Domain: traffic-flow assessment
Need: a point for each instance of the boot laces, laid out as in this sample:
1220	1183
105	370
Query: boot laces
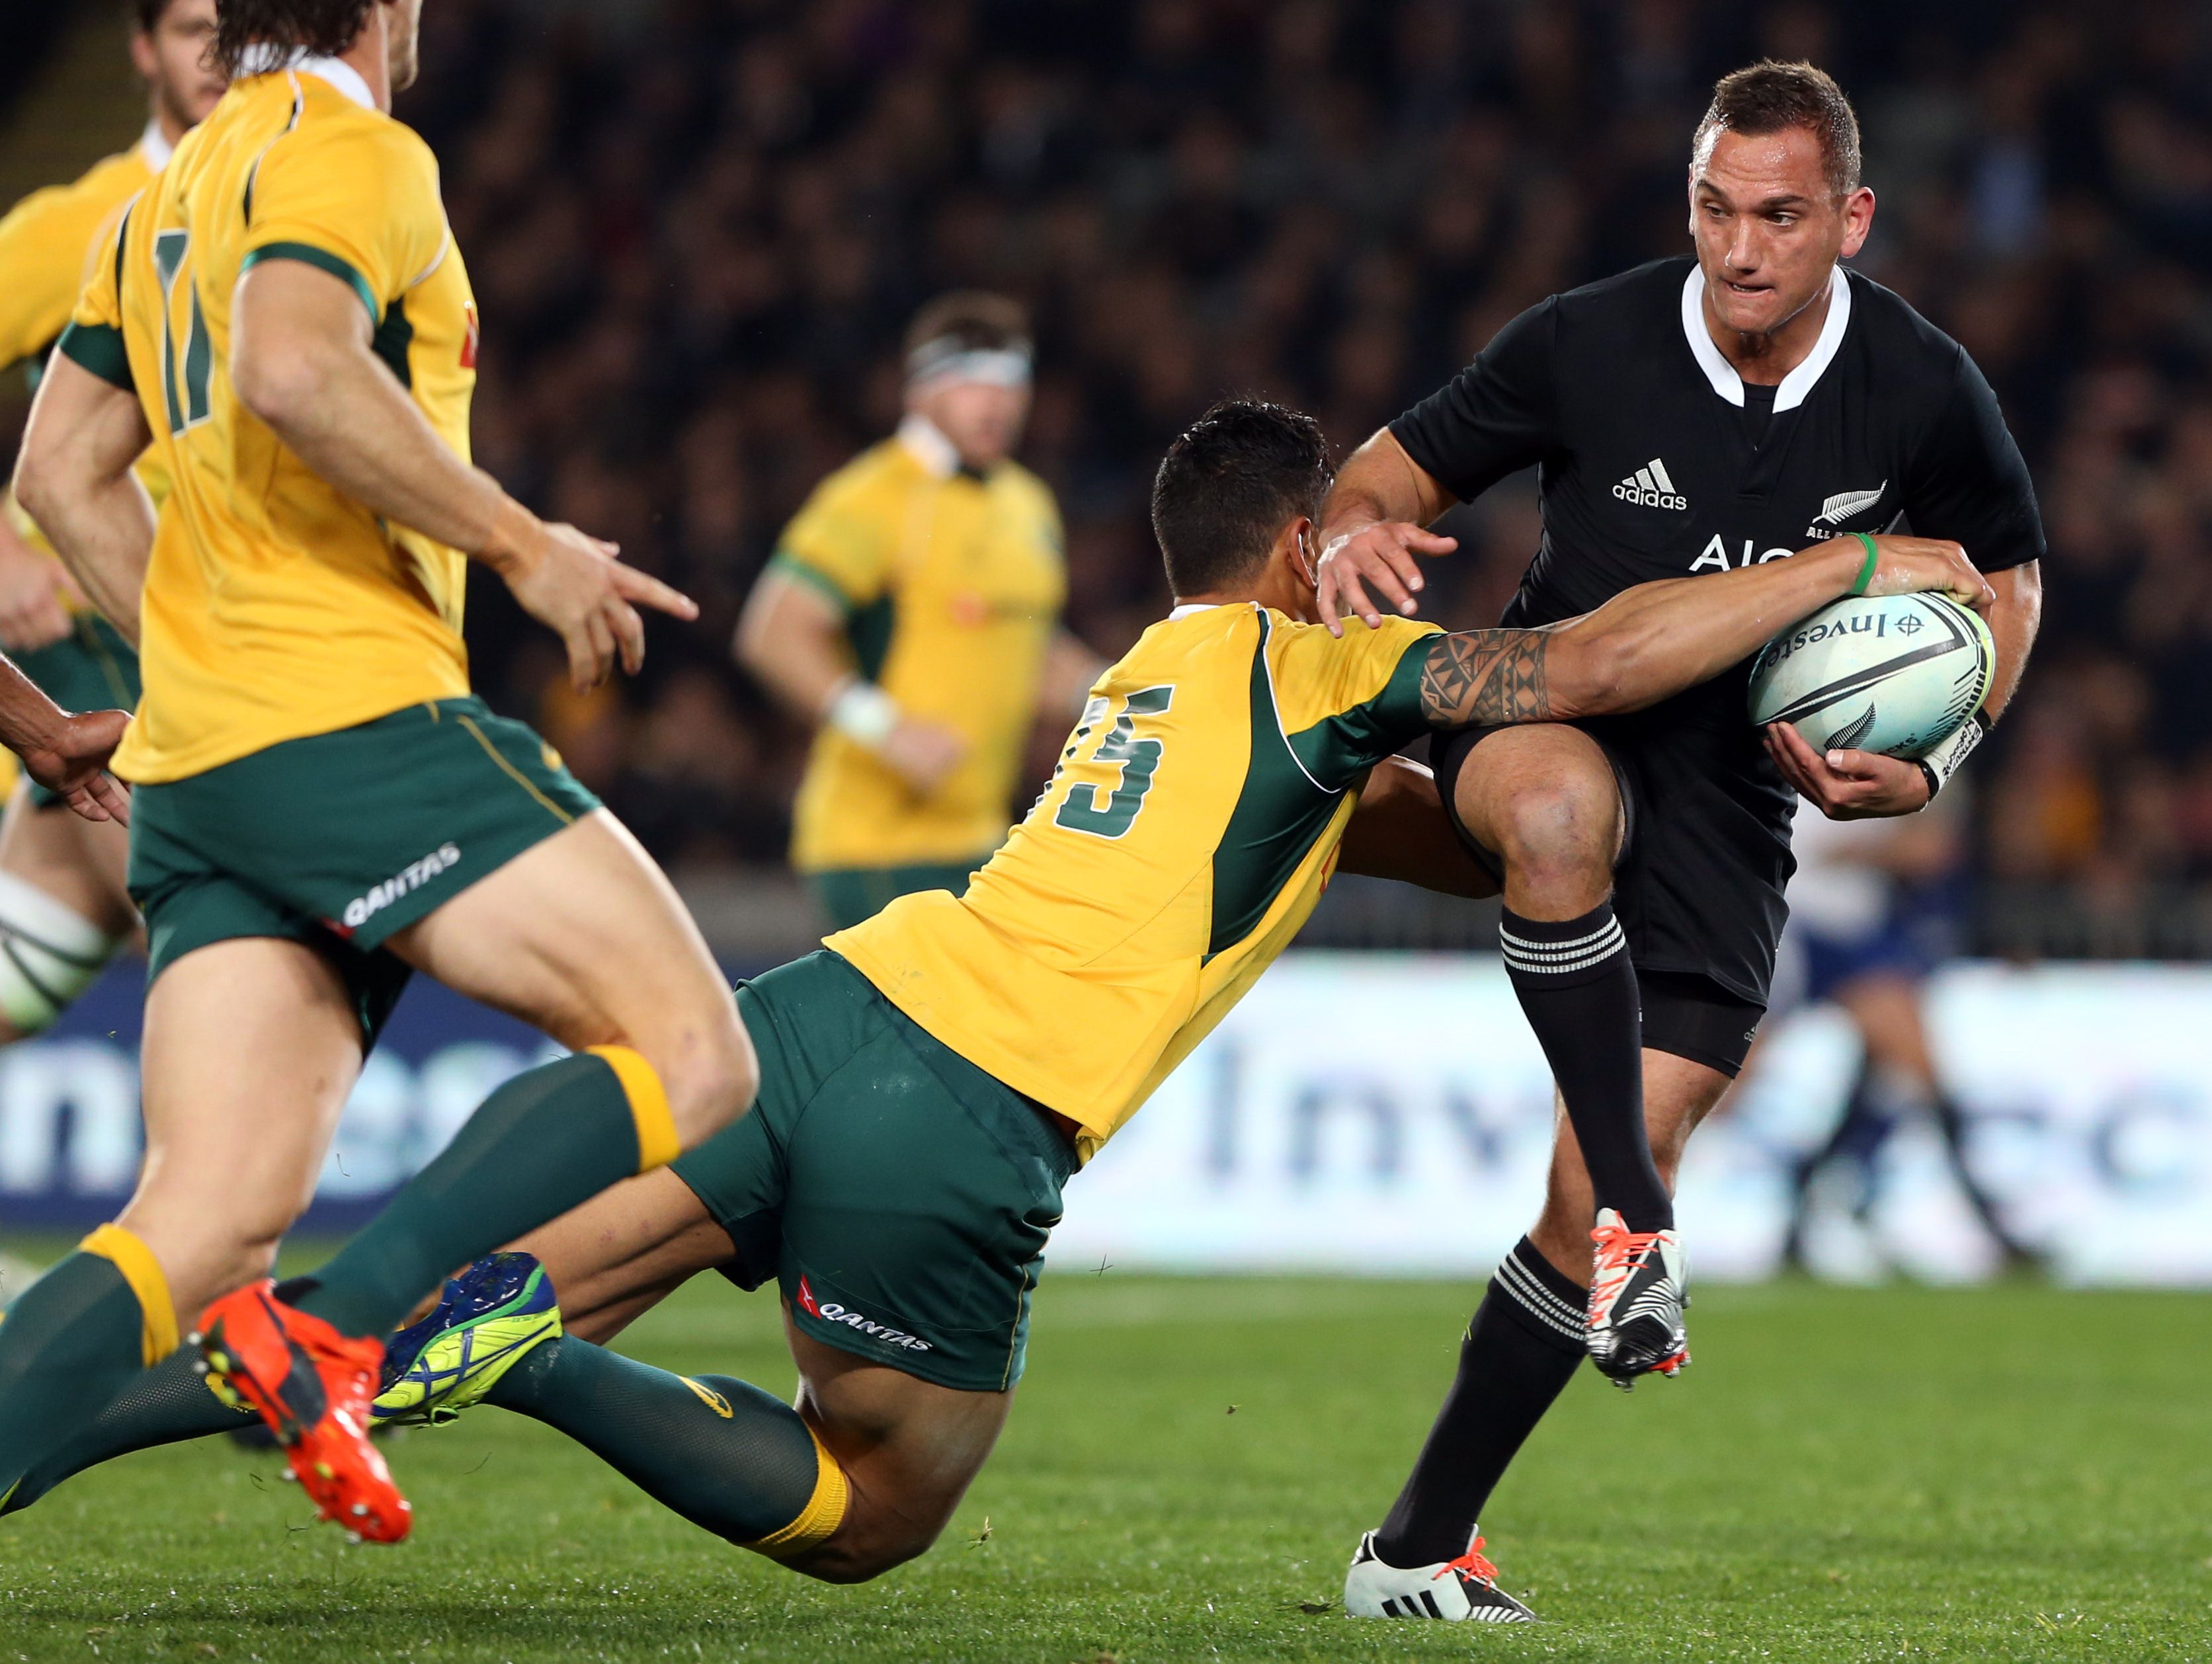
1472	1563
1620	1252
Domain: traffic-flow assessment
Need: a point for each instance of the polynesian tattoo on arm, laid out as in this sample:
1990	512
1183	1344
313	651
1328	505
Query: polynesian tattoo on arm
1486	675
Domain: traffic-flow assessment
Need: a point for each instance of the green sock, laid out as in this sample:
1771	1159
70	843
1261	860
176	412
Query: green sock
160	1405
547	1140
74	1337
724	1454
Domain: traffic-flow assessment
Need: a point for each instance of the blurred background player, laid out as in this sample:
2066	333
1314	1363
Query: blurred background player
1875	908
912	611
64	909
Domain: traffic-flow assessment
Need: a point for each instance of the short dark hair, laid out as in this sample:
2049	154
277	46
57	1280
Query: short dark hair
1769	97
144	16
325	27
1228	485
973	320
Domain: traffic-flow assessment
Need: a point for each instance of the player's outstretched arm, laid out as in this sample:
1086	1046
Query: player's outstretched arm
1372	528
301	361
67	754
73	476
1650	642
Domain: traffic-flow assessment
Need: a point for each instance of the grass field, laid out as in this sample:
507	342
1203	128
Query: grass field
2016	1473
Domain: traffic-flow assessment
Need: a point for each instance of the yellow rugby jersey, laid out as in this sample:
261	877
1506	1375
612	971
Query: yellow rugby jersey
48	242
951	587
275	607
1186	836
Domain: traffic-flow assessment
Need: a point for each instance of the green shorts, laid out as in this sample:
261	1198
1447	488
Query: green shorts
93	669
851	895
339	840
901	1196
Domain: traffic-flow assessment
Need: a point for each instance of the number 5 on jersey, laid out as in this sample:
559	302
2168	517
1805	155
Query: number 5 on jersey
1082	812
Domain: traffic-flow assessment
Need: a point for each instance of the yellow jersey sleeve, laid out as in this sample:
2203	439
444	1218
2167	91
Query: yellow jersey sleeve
94	338
41	243
840	542
361	203
1345	702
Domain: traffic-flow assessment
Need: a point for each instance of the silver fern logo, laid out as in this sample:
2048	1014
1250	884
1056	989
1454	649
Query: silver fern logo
1842	507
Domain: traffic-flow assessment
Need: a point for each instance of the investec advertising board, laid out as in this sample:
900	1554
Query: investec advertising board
1382	1114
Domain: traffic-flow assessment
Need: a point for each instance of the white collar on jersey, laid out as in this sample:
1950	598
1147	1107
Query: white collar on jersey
154	145
1189	607
1795	384
266	58
926	443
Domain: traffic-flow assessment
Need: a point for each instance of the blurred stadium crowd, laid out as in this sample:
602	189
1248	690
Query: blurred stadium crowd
697	228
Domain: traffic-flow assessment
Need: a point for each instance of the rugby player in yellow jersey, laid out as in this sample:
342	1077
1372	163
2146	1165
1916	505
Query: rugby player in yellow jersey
63	906
912	611
320	804
933	1077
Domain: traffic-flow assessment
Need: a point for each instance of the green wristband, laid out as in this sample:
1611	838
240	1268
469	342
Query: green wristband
1872	560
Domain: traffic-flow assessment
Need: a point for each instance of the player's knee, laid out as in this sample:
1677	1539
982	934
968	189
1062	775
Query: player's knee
201	1262
1562	824
866	1549
708	1070
49	954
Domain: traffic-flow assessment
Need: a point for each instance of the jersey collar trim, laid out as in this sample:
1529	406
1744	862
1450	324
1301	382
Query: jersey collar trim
268	58
154	147
1795	384
1189	608
927	444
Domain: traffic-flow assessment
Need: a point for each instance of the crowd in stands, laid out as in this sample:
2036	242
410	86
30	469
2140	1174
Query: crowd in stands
697	228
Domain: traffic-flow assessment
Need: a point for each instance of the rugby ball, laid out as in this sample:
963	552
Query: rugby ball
1895	674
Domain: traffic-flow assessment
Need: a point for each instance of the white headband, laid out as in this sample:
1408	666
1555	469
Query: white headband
946	360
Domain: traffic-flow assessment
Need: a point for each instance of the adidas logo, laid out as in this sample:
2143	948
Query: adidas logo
1650	488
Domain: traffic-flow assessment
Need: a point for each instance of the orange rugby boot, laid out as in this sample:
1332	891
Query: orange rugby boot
311	1386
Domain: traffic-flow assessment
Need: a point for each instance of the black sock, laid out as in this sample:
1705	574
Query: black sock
1578	992
1520	1353
724	1454
160	1405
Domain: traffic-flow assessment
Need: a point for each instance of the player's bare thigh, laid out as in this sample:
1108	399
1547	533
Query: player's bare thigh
1678	1094
1884	1006
908	1447
250	1047
584	938
630	1247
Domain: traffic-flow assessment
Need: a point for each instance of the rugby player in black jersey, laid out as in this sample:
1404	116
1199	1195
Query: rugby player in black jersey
1694	414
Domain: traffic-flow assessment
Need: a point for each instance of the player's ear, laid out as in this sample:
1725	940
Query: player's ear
1295	544
1858	221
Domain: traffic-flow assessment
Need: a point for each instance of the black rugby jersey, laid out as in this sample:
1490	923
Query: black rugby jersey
1648	470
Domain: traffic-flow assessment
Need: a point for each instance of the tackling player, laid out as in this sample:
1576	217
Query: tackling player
322	807
1692	417
63	906
930	1080
911	612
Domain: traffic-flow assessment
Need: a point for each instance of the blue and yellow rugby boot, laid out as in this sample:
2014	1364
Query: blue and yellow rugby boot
487	1318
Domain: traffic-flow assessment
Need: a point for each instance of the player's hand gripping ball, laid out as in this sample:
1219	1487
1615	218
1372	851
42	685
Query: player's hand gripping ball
1892	674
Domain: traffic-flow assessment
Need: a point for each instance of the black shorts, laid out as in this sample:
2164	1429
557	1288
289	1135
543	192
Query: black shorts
1697	968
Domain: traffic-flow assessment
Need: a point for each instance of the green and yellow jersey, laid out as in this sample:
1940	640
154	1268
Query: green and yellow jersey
951	587
47	244
1187	834
275	607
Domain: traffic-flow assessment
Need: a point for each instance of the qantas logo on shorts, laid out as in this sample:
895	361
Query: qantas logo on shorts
1649	486
829	1311
359	910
